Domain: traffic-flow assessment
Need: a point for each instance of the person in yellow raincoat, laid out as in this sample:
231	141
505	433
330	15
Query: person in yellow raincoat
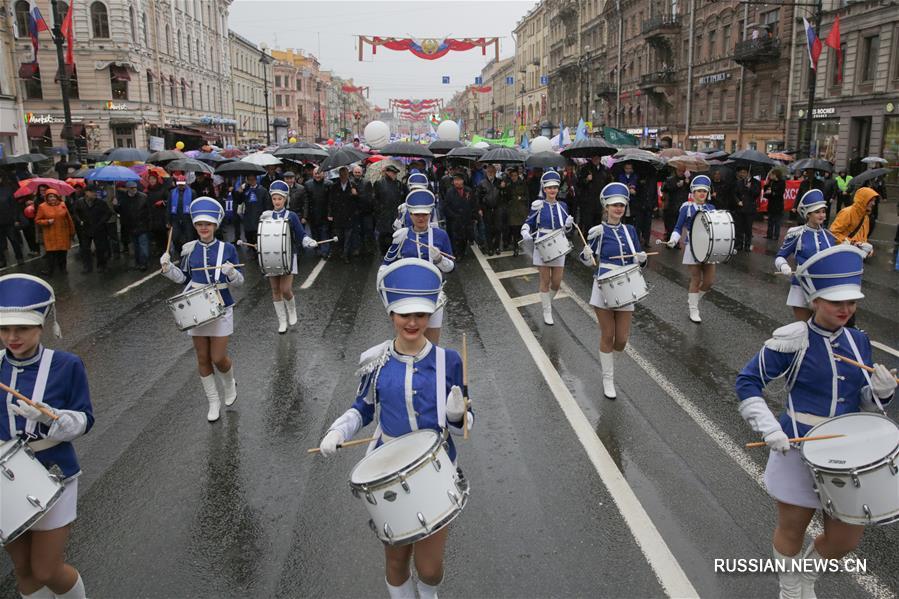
854	221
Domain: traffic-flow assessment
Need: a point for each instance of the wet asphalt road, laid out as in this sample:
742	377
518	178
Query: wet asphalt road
171	506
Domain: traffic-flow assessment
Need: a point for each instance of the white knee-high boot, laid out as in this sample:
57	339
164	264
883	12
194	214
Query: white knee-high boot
426	591
404	591
212	394
76	592
808	579
291	306
789	580
281	313
546	298
607	361
229	385
693	303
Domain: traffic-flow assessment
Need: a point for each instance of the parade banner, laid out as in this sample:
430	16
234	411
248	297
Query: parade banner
617	137
353	89
790	193
508	142
429	48
480	89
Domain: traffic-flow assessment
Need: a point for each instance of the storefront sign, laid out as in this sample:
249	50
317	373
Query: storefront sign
820	113
710	137
643	131
42	119
156	144
110	105
716	78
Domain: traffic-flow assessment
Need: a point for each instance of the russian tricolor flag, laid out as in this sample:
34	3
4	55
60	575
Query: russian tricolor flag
814	44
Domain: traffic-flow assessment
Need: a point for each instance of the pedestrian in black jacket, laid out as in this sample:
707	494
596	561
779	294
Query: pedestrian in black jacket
774	192
591	179
134	210
747	192
487	193
91	214
318	212
460	215
256	200
387	195
156	197
344	210
365	213
675	191
9	219
297	200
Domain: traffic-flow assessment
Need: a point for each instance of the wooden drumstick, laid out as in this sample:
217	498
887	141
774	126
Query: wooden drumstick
347	444
332	240
465	385
584	239
242	242
214	267
450	256
633	255
168	244
854	363
21	397
798	440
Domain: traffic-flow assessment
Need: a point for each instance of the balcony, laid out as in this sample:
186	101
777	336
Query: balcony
651	81
755	53
606	89
661	30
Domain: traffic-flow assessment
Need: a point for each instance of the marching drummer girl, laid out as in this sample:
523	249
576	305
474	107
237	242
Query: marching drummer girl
702	275
803	242
282	285
425	241
416	180
204	262
57	382
615	245
419	387
818	387
547	215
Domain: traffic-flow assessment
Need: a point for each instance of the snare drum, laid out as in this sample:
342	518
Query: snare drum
409	487
27	490
856	476
622	286
197	306
553	245
274	247
712	236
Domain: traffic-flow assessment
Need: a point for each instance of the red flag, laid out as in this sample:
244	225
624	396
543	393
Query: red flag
69	34
833	40
40	23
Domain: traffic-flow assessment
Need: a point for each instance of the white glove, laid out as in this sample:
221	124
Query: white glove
866	248
165	261
309	243
526	234
785	268
228	269
434	254
587	255
569	222
778	441
266	214
883	382
455	404
29	413
641	257
400	235
671	242
329	444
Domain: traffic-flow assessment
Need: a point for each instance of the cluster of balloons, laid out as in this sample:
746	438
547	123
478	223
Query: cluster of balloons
377	134
540	143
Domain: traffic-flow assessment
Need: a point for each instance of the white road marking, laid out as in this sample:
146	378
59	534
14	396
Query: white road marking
533	298
314	274
137	283
500	255
26	261
885	348
669	573
870	582
518	272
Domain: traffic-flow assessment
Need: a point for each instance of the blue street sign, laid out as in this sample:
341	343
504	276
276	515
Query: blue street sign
544	80
510	80
479	80
445	79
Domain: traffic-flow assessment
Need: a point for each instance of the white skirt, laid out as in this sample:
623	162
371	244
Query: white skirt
797	298
293	268
538	261
220	327
63	512
789	480
688	253
596	300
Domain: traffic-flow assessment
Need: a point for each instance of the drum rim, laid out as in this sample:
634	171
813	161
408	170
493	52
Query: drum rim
703	218
192	291
286	253
617	272
20	445
893	453
443	522
410	468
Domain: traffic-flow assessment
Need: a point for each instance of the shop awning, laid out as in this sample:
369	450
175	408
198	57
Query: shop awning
77	131
27	70
38	131
119	73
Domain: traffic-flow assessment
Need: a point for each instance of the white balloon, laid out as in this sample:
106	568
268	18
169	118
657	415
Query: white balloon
482	145
376	134
448	131
540	143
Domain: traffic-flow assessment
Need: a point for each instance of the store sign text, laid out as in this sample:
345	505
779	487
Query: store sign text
716	78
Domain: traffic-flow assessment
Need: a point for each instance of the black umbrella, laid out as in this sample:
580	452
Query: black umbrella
95	157
210	157
30	157
816	164
300	154
466	153
869	175
503	156
165	156
443	146
753	158
189	165
546	160
638	156
127	155
587	148
301	145
81	173
343	157
716	155
406	148
239	169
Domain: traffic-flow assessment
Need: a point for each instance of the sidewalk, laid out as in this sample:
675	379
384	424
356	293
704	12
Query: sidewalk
887	221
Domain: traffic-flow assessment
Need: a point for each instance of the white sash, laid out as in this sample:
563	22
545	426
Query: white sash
440	389
37	395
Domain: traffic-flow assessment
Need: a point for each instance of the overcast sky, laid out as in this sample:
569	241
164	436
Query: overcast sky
329	28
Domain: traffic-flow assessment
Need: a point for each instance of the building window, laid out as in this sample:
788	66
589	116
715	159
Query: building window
118	80
278	100
299	85
713	46
725	41
30	74
172	91
870	50
23	9
133	22
189	50
72	74
146	31
277	80
168	40
178	42
200	91
184	93
99	20
151	93
834	67
123	136
770	20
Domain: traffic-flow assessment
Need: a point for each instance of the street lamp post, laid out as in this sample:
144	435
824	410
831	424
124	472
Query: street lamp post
318	106
58	39
266	60
805	144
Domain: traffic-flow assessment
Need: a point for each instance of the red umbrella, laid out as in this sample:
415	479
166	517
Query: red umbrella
375	158
29	186
231	153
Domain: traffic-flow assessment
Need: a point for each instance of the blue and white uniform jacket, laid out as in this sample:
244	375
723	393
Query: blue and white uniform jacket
818	386
59	380
607	240
297	231
546	217
407	249
196	254
685	216
802	243
411	392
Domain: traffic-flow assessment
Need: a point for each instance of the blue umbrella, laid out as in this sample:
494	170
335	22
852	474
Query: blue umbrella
112	173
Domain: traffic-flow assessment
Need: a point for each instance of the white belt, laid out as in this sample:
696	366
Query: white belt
42	444
542	230
807	419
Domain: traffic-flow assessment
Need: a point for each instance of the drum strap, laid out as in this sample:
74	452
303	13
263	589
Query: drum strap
218	262
440	389
858	358
630	242
37	394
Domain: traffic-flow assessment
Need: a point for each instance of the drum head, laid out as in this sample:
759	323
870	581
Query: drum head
869	439
393	456
615	272
700	240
